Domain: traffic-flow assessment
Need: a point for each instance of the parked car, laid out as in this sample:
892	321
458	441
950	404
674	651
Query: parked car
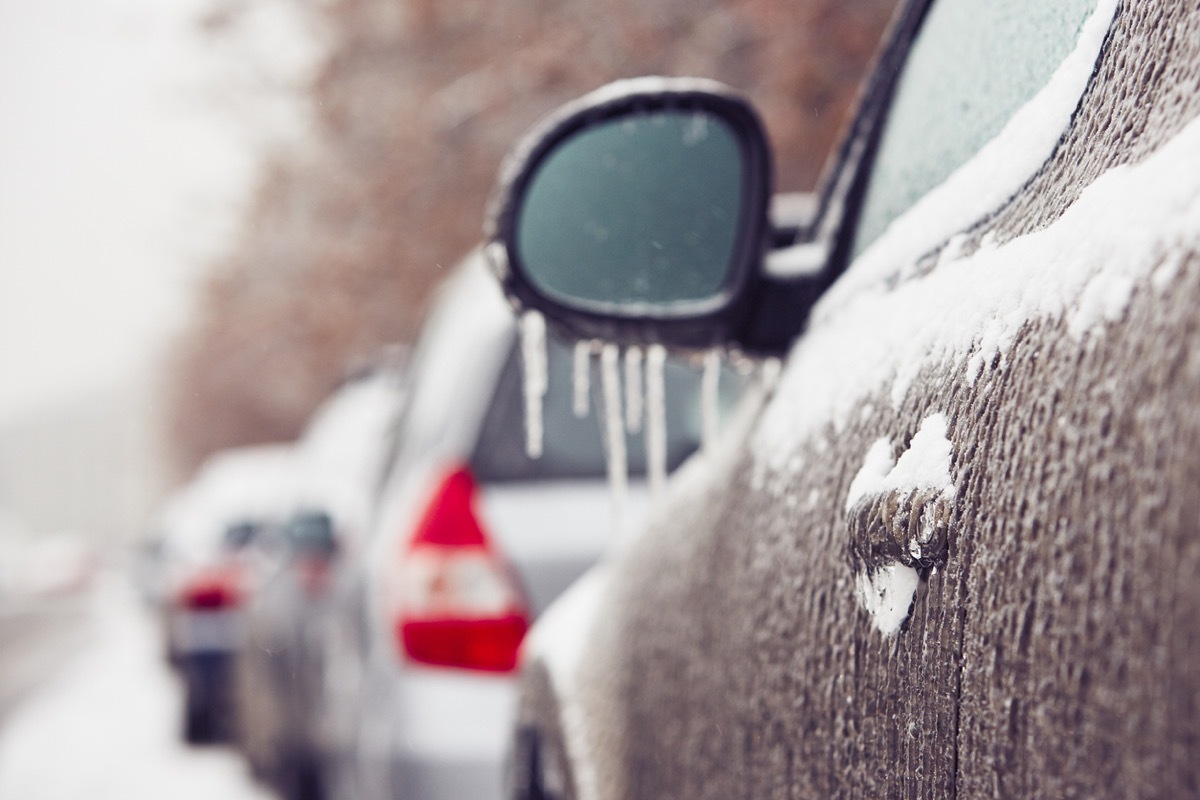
207	527
951	551
279	677
473	538
276	682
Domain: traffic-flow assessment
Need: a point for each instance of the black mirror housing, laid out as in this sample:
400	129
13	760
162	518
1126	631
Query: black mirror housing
637	214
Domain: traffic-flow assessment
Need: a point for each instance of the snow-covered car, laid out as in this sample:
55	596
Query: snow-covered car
337	460
207	527
473	538
950	549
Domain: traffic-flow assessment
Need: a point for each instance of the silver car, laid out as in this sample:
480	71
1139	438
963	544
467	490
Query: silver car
473	539
207	527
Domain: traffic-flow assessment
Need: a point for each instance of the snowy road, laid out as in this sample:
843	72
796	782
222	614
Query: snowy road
35	640
105	724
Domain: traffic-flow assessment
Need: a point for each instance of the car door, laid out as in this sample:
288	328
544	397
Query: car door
952	553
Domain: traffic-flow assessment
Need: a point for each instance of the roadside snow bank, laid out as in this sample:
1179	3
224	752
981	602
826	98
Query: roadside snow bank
107	727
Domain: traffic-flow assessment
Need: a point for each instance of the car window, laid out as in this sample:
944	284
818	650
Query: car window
461	345
973	65
573	447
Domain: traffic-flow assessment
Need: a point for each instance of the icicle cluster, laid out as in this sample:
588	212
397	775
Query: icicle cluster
632	403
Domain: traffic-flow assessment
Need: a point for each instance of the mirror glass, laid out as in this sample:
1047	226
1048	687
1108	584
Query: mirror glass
639	212
311	533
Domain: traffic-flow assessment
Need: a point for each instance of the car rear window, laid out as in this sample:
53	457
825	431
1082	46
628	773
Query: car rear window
574	446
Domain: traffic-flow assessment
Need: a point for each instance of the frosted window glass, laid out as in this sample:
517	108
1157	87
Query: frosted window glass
973	65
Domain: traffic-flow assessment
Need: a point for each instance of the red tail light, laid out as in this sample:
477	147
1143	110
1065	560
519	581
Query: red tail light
211	589
456	602
314	575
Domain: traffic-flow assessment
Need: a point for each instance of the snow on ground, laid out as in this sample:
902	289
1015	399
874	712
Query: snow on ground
107	725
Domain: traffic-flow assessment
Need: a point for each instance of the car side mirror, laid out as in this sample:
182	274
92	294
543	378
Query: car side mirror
311	534
638	214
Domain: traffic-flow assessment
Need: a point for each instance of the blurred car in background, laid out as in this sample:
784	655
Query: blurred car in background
277	670
337	462
952	551
206	530
473	539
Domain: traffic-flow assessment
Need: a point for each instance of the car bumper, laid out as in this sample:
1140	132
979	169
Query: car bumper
458	778
195	632
451	734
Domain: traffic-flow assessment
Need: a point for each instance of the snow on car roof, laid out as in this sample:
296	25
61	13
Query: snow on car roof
246	482
340	454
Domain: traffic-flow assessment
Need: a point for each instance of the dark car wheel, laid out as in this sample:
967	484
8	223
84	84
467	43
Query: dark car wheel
539	768
300	778
206	706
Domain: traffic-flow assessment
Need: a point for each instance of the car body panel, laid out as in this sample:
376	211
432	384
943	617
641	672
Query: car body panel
550	558
1052	641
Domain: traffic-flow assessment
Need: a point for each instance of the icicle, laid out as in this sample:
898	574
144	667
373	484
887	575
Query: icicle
533	356
614	429
582	378
709	398
771	369
633	390
656	420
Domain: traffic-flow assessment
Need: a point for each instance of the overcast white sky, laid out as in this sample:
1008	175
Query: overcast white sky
125	150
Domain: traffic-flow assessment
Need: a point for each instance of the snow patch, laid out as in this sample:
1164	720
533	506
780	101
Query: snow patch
1164	276
1083	269
797	261
887	595
925	465
877	464
106	725
988	179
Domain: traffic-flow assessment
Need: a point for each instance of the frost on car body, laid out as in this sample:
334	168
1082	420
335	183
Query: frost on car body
1037	311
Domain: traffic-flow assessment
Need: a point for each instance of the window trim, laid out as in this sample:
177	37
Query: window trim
783	304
